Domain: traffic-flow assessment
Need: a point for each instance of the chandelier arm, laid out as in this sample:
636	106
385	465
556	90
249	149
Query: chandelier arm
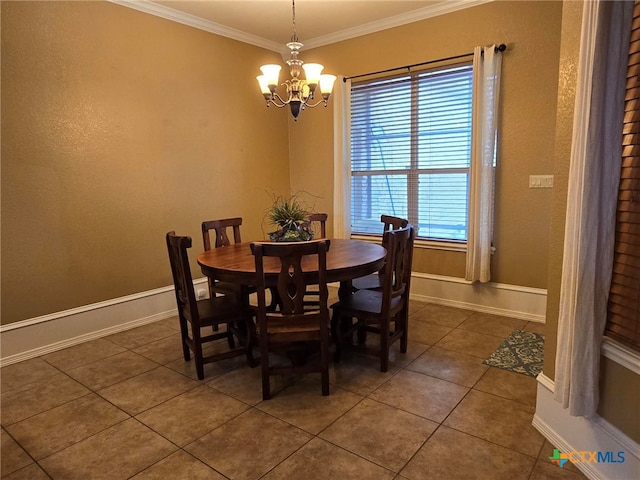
274	97
273	102
313	105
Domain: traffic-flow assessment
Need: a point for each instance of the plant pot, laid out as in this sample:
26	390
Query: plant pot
291	235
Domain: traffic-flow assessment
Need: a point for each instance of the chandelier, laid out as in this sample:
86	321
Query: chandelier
299	93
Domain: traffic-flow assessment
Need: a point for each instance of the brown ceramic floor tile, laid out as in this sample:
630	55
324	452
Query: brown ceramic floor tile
13	456
163	351
450	455
511	385
415	306
61	427
32	472
173	323
426	333
548	471
249	445
147	390
245	384
191	415
396	358
39	397
492	324
182	464
441	315
414	350
46	411
23	373
498	420
211	370
304	406
118	452
421	395
139	336
321	460
470	343
358	373
111	370
82	354
448	365
390	440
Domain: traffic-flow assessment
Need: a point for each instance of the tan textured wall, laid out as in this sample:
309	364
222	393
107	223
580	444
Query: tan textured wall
619	394
529	94
118	126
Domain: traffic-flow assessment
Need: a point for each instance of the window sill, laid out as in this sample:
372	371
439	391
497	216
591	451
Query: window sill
621	354
426	244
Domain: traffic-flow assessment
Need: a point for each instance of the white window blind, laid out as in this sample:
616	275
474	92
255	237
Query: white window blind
411	150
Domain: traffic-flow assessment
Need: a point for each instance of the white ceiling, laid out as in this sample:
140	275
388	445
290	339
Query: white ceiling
268	23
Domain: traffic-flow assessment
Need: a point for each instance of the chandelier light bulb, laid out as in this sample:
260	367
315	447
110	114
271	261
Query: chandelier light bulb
326	84
271	73
312	71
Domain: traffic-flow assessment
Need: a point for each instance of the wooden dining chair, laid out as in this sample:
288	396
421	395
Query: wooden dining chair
318	224
384	312
374	281
293	324
210	312
221	230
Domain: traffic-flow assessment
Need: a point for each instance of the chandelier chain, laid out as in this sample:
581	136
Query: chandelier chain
294	38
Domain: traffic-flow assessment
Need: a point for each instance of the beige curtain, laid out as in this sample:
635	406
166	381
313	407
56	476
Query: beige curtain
342	158
486	93
591	203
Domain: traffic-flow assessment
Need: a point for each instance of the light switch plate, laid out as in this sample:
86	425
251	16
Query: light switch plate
540	181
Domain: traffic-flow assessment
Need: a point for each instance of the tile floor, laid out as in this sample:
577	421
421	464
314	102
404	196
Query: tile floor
128	406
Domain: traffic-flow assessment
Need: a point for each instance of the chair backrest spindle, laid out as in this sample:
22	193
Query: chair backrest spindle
220	230
318	224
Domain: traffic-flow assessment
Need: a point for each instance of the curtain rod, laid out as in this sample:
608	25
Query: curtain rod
499	48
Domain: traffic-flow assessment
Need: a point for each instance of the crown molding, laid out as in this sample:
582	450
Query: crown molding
168	13
197	22
443	8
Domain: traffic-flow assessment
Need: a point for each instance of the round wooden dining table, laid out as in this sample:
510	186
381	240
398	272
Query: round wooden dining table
346	260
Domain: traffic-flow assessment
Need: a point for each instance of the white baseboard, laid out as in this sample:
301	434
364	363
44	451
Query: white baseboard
48	333
41	335
581	434
514	301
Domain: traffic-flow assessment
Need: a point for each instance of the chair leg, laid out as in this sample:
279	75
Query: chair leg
184	333
266	387
250	341
264	363
335	333
197	353
212	294
362	336
384	345
324	361
230	340
404	339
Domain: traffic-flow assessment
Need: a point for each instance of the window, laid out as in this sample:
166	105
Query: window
411	151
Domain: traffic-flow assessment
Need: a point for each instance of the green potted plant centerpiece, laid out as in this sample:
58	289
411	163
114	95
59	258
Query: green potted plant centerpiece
291	217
